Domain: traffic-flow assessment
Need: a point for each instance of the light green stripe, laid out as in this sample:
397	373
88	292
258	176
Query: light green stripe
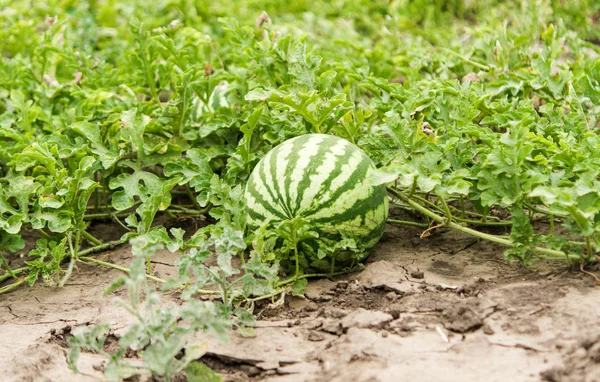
306	155
318	182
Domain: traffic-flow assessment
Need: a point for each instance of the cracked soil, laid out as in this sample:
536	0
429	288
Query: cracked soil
443	308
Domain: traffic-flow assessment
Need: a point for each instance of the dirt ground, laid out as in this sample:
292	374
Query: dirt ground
444	308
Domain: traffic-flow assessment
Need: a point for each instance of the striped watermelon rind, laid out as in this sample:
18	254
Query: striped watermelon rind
216	100
325	180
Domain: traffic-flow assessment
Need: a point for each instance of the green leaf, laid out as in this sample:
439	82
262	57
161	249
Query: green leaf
199	372
113	286
140	185
11	242
298	287
158	200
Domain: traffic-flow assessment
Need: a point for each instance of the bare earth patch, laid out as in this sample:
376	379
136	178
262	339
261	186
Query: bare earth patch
444	308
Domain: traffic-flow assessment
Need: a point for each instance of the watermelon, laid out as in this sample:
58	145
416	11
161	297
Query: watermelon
325	180
216	100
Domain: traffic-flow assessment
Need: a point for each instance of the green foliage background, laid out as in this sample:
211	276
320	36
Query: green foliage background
120	103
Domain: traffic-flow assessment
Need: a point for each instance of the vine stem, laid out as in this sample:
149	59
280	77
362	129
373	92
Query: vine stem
407	222
102	247
472	232
183	210
494	223
488	223
85	259
312	275
99	216
16	272
281	285
12	286
117	267
475	214
266	296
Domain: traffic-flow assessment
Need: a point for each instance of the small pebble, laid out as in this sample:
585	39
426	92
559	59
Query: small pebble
315	337
417	274
342	284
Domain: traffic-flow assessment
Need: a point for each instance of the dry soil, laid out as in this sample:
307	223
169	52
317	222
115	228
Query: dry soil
444	308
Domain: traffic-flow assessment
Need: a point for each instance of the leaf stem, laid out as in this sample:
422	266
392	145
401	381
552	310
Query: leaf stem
466	59
190	195
427	202
588	244
89	237
5	263
446	210
44	234
71	262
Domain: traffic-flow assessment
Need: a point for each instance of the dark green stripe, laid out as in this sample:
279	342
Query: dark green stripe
275	153
262	175
256	216
360	208
376	233
332	232
356	177
350	182
263	178
251	189
317	160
